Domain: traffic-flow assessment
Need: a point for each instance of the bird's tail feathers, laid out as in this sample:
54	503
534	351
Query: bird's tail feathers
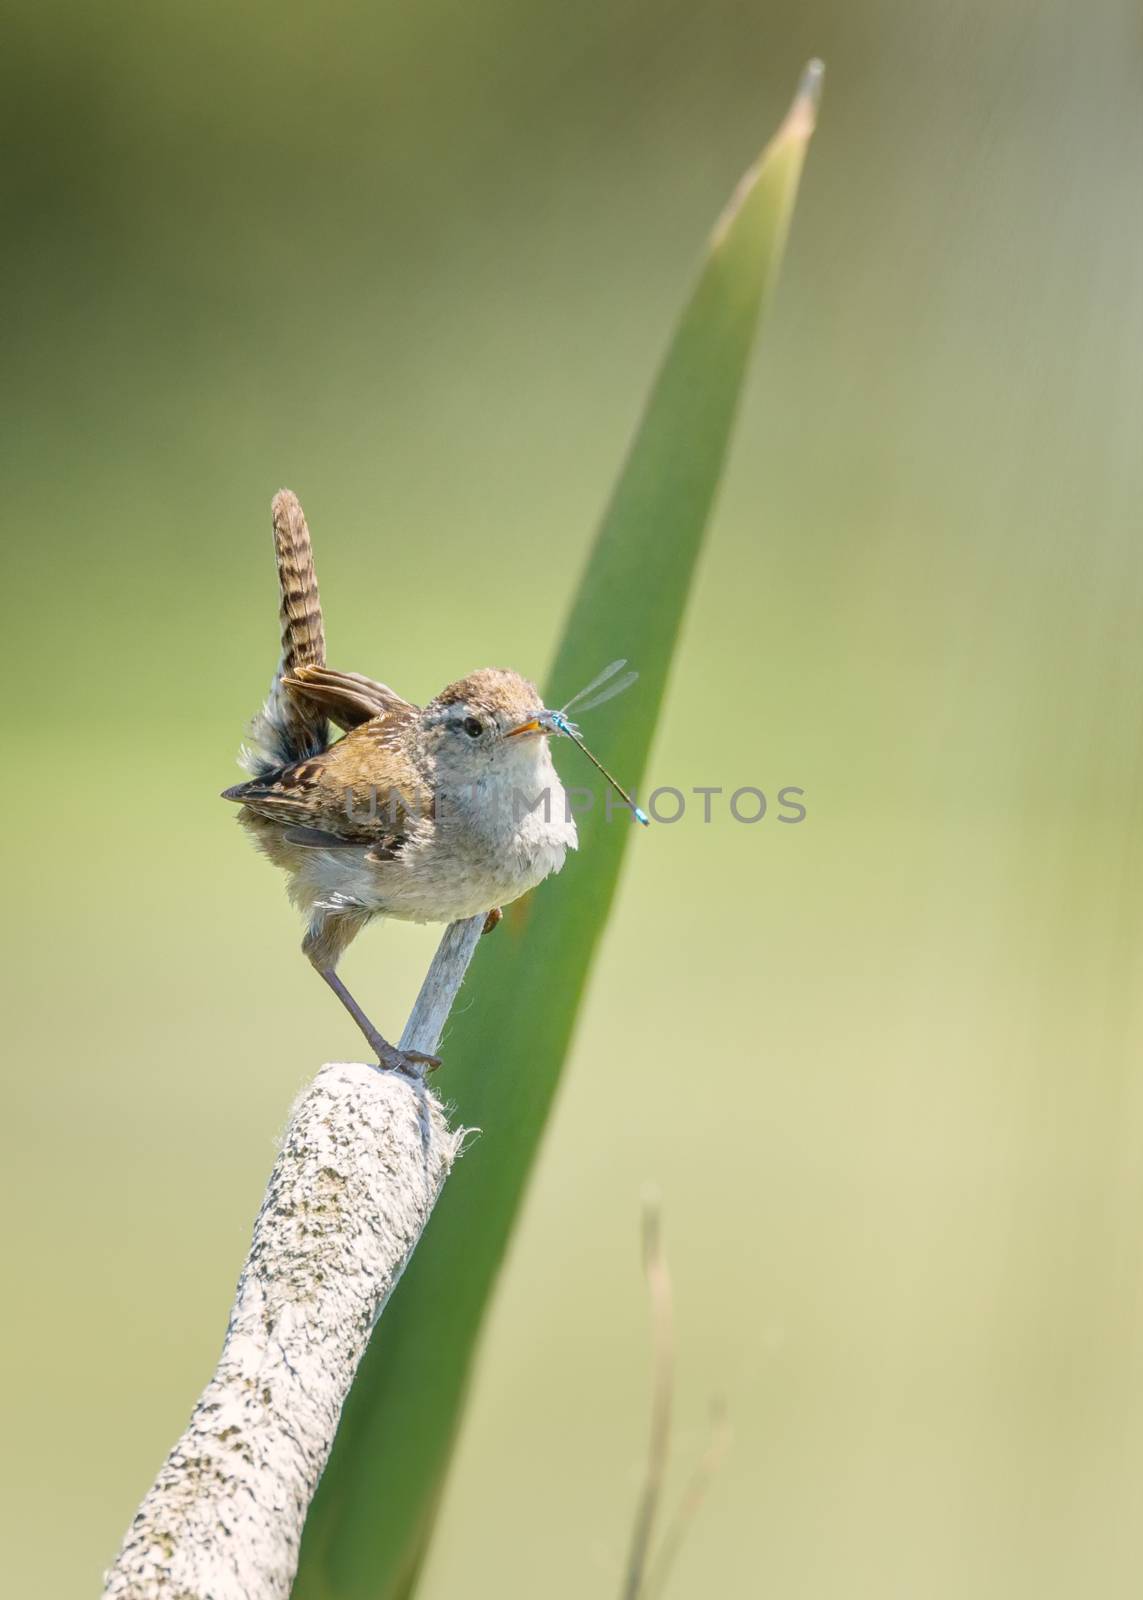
290	728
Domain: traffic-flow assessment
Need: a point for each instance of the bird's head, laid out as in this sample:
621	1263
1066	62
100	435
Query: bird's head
490	724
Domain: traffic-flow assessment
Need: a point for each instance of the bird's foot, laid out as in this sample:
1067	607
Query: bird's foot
413	1063
492	920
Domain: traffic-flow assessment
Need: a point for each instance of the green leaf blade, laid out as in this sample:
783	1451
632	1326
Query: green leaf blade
369	1526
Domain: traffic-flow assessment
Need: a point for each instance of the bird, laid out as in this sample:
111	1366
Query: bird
420	814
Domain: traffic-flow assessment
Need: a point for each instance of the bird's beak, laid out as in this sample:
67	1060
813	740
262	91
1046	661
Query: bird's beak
534	726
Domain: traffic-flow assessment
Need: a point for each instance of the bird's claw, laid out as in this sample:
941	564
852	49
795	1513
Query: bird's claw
413	1063
419	1058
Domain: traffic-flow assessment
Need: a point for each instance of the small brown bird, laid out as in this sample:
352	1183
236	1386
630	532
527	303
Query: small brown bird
425	815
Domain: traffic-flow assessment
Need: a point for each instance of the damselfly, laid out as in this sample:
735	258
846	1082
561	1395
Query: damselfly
602	687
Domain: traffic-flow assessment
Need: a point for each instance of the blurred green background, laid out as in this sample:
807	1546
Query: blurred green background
419	263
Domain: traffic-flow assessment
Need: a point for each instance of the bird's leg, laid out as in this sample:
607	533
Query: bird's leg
492	920
327	938
388	1055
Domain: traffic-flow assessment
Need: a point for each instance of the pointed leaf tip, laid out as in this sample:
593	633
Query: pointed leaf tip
803	113
810	87
796	127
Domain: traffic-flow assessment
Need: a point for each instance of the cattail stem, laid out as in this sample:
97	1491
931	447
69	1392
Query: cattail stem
363	1160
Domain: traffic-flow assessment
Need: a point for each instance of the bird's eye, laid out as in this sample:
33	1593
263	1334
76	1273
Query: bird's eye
473	727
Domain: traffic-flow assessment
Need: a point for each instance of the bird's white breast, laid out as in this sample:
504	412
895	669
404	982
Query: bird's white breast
490	843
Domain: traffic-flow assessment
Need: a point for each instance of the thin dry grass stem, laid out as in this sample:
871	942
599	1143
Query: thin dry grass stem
663	1337
695	1493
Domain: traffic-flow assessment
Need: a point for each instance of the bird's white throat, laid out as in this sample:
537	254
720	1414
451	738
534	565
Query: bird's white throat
513	802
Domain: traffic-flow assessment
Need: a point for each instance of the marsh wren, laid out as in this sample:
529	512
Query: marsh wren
425	815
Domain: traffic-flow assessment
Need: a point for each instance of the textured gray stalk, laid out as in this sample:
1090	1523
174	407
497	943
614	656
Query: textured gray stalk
362	1162
433	1004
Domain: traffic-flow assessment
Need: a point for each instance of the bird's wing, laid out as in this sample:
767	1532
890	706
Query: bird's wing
347	698
362	790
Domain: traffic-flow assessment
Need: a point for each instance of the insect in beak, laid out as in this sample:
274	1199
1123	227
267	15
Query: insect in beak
559	722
